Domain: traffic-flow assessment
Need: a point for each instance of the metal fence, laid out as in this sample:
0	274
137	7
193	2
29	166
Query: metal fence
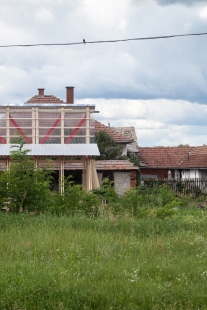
184	186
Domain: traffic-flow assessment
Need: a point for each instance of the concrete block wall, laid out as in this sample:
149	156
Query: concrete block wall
122	182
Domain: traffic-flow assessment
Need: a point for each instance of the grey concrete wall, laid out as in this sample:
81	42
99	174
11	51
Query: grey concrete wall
122	182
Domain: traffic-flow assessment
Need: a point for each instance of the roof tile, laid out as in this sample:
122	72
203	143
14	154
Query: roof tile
45	99
163	157
197	158
115	135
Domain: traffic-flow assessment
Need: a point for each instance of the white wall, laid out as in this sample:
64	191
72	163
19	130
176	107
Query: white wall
194	174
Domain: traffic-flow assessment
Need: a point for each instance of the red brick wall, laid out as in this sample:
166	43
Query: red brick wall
133	179
70	94
161	173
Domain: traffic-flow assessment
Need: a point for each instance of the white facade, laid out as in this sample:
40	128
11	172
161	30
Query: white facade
191	174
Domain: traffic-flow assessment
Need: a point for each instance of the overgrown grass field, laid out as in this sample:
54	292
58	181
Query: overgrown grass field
74	262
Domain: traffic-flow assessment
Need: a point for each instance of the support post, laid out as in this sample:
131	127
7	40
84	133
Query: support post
95	180
61	178
89	184
35	162
8	163
7	126
87	139
33	125
37	125
62	124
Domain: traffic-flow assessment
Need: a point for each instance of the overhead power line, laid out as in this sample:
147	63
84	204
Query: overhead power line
105	41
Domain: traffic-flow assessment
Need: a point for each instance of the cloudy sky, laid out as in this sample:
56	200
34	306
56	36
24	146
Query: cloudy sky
157	86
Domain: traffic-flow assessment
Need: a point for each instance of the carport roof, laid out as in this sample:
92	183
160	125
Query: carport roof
53	149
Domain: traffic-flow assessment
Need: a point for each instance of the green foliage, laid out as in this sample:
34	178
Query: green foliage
107	147
158	202
23	187
183	145
74	200
106	191
135	160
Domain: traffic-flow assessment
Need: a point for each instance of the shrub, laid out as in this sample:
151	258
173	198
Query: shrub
23	187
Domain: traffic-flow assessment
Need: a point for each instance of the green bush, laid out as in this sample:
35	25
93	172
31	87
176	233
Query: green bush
22	186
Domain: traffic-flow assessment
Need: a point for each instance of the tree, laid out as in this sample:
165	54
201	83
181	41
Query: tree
108	148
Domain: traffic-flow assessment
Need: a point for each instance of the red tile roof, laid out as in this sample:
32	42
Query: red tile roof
45	99
163	157
197	158
115	135
105	165
115	165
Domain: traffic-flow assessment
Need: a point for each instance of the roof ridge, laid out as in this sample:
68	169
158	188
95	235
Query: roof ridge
44	99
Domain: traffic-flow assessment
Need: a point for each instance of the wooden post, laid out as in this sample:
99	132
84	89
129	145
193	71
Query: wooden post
7	126
33	125
87	139
62	125
8	163
84	174
37	126
89	184
35	162
95	180
61	177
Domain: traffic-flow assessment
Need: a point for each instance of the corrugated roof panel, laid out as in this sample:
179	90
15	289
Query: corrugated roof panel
54	149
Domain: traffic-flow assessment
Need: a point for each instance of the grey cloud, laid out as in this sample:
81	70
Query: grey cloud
174	68
183	2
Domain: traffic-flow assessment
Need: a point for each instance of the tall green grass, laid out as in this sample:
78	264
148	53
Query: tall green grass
50	262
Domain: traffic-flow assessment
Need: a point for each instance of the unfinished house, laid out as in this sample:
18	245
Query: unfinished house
53	129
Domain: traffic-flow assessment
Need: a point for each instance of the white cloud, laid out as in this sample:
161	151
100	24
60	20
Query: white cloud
44	16
110	13
175	69
11	35
203	13
157	122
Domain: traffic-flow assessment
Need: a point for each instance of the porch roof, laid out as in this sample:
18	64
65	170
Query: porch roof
53	149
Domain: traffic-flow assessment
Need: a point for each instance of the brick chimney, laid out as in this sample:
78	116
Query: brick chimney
41	91
70	94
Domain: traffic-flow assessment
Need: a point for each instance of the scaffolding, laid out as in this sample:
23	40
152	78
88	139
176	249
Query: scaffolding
55	124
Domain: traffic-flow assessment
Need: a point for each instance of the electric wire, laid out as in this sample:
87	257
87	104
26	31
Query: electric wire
105	41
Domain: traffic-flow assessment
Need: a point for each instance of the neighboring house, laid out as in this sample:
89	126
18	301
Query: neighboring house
195	164
132	146
162	162
118	137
